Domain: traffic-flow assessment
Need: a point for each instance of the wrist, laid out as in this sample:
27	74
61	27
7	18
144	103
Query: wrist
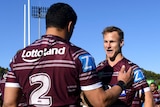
121	84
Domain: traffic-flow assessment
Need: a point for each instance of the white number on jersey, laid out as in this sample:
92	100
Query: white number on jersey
38	95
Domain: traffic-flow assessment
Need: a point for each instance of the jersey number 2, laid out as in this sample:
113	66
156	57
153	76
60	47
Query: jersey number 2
38	95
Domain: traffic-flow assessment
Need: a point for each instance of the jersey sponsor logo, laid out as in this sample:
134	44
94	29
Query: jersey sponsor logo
36	54
87	61
138	75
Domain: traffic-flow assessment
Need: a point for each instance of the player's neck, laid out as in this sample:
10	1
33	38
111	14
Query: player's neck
56	32
116	60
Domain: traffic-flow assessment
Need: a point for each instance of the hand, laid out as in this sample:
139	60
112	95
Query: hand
124	76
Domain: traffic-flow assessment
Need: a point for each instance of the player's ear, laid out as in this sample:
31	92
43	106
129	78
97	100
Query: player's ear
122	42
70	26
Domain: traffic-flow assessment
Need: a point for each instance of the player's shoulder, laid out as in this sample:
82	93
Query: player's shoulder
76	48
16	55
129	63
78	51
102	65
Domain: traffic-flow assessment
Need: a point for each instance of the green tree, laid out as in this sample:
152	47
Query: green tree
152	75
2	71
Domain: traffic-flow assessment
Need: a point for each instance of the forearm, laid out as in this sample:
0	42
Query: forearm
148	103
101	98
10	97
112	94
148	100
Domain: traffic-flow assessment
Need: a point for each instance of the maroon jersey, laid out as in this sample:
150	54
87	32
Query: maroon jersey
52	72
156	97
138	99
136	102
109	74
2	85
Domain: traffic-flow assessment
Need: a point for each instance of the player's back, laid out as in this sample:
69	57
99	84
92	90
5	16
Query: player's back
48	73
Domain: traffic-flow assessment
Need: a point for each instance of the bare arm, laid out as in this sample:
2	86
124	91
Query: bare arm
100	98
148	102
10	97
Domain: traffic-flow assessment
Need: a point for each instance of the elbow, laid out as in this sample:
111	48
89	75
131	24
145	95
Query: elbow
6	104
101	103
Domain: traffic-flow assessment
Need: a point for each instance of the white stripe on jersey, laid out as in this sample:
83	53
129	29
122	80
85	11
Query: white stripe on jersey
138	84
77	53
49	63
115	74
146	89
87	75
44	62
9	84
91	87
45	41
46	65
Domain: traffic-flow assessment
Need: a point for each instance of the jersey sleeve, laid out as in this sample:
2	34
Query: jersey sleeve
140	80
88	77
11	80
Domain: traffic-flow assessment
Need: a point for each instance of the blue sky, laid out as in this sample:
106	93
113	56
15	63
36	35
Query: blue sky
139	19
